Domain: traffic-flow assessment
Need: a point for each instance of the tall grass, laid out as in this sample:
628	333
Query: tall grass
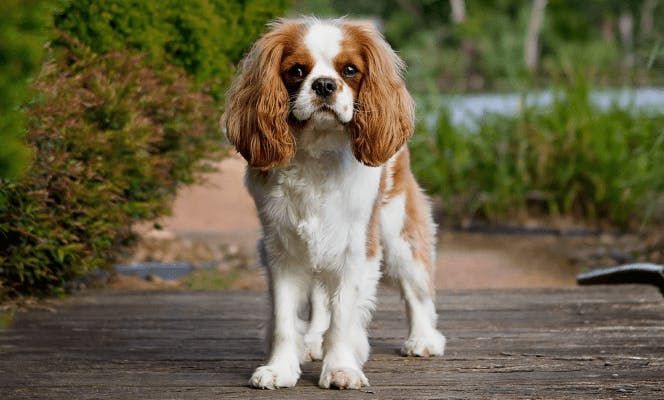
570	158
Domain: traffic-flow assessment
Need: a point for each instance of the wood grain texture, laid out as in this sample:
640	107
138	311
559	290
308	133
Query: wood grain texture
583	343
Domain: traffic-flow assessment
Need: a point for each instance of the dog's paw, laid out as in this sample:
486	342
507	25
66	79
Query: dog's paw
343	378
428	345
313	348
272	377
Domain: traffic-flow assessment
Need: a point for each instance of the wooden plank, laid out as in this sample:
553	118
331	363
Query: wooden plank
595	342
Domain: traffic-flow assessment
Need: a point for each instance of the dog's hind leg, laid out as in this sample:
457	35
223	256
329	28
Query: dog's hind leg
407	235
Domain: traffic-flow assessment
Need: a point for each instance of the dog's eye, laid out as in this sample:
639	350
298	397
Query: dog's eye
297	71
349	71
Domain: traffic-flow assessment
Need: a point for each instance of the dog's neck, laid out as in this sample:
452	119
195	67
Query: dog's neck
324	139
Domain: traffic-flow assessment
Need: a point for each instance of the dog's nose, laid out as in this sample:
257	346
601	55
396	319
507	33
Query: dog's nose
324	87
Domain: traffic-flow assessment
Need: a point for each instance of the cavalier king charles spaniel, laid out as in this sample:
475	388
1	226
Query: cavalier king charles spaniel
321	114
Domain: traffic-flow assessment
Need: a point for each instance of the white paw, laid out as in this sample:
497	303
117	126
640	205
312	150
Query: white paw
313	347
272	377
343	378
428	345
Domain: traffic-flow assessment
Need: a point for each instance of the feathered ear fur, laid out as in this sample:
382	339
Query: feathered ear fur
383	120
256	112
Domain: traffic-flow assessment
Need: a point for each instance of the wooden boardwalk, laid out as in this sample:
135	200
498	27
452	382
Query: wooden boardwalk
583	343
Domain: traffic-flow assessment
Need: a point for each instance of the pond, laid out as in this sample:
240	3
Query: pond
467	109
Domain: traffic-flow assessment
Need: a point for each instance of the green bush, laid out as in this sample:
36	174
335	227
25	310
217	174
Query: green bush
569	158
112	141
22	32
486	50
125	111
205	37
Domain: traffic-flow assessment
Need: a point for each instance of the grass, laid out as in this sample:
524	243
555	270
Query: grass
570	158
6	318
211	279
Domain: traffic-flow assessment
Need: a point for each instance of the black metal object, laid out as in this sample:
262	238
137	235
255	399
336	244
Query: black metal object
651	274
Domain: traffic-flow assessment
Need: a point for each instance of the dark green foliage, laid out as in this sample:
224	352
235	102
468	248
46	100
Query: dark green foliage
570	158
205	37
21	41
112	141
486	51
124	113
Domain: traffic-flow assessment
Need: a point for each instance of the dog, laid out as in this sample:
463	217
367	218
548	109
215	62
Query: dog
320	111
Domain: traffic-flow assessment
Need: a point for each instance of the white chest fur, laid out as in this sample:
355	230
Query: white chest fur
317	208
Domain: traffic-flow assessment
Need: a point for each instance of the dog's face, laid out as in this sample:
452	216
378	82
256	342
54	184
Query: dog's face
322	76
305	72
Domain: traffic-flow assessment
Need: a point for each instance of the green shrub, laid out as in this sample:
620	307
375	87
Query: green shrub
569	158
22	32
126	109
205	37
112	141
485	52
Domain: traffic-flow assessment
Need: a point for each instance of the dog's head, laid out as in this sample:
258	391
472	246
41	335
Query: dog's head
311	71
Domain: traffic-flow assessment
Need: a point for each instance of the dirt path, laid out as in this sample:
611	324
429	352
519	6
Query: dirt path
470	260
222	208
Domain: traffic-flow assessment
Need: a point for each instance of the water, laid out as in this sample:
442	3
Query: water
164	270
468	109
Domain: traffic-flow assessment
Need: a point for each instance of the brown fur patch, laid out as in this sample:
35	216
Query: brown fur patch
383	119
373	234
295	54
350	54
417	224
257	104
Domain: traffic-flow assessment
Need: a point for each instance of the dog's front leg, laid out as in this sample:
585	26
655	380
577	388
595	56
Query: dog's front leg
318	324
288	289
346	344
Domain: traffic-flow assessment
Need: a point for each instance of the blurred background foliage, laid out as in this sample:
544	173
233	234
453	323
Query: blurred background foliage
23	32
124	109
205	37
483	46
126	94
569	158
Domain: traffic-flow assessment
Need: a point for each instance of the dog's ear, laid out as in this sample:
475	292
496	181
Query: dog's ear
256	111
384	116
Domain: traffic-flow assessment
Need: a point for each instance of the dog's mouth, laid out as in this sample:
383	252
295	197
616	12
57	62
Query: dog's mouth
324	112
